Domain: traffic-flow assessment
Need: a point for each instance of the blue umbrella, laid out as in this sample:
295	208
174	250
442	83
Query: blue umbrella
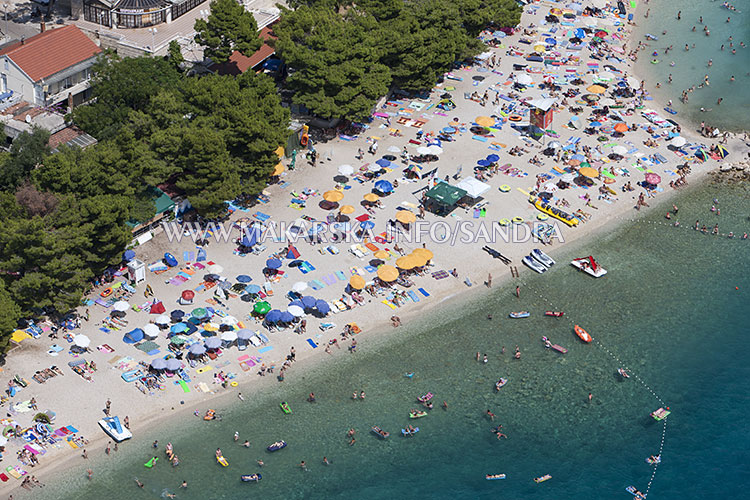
252	289
177	314
308	302
296	303
273	316
492	158
251	237
212	343
197	349
245	334
178	328
578	157
550	41
595	124
322	306
579	33
316	228
384	186
128	255
158	364
484	163
273	263
286	317
342	226
367	224
173	364
383	163
449	130
244	278
133	336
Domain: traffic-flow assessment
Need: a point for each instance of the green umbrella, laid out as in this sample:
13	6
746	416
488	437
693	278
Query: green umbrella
199	312
262	307
585	164
177	340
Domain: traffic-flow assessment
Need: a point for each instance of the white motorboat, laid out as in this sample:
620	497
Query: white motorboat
534	264
542	257
589	266
114	429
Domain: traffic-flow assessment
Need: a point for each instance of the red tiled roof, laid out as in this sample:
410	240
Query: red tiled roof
238	64
50	52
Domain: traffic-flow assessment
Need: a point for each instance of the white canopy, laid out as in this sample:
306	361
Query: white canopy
473	187
81	341
543	104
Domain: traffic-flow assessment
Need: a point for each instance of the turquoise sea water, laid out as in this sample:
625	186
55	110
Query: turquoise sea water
668	311
691	66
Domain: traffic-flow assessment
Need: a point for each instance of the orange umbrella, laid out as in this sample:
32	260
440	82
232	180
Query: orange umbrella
333	195
596	89
387	273
278	169
484	121
346	209
427	254
371	197
621	127
357	282
419	260
574	163
406	262
381	254
406	217
589	172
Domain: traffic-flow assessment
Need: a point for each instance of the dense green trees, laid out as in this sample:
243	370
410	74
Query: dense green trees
229	27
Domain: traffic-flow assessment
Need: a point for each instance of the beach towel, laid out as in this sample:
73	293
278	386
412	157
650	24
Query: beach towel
389	304
312	343
479	138
204	369
438	275
314	285
413	296
423	292
329	280
341	276
265	349
184	386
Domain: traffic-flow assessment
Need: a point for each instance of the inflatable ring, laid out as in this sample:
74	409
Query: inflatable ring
514	118
107	292
517	220
234	384
304	140
542	216
504	188
504	222
8	431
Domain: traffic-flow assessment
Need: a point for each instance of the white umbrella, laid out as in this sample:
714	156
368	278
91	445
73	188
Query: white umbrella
121	306
3	440
229	336
678	141
346	170
523	79
215	269
296	311
393	149
620	150
150	330
606	76
567	177
550	187
633	82
374	167
300	286
435	149
607	101
228	320
423	150
162	319
81	341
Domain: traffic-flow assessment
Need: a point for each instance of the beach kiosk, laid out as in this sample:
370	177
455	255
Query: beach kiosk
136	271
442	199
540	117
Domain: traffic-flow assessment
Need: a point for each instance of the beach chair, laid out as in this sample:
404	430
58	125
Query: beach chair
355	250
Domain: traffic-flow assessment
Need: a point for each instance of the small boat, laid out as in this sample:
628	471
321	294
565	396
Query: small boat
380	432
542	257
251	478
500	383
582	334
533	264
277	446
554	314
542	479
519	314
623	373
637	494
654	460
285	408
417	414
589	266
426	397
114	429
210	415
409	432
660	414
492	477
222	461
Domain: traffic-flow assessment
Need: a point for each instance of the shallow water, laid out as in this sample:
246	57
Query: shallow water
668	311
691	66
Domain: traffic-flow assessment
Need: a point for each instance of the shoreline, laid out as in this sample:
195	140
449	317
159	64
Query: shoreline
375	323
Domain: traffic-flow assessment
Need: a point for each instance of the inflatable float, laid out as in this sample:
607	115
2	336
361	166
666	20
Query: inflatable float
251	478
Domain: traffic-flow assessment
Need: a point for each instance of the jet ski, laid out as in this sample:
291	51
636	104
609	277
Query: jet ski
534	264
542	257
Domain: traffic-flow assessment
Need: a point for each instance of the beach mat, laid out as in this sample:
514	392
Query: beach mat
185	387
439	275
265	349
312	343
413	296
423	292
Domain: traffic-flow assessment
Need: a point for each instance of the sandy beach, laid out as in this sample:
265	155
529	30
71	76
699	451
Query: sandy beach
80	403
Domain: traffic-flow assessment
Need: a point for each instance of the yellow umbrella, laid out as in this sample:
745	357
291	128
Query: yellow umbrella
333	195
406	262
357	282
371	197
539	48
484	121
589	172
346	209
278	169
381	254
405	216
280	151
427	254
387	273
211	327
596	89
419	260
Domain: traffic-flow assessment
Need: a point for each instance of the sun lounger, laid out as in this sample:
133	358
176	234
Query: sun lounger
312	343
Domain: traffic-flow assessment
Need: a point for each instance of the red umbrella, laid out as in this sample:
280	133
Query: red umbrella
653	178
188	295
601	34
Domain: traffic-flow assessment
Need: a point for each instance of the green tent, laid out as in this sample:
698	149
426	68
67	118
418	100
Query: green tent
445	194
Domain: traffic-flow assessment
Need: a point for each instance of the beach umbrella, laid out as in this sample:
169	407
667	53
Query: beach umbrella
177	340
228	320
406	262
387	273
605	76
229	336
588	172
273	263
346	169
173	364
585	164
199	313
381	254
244	278
554	145
211	277
384	186
393	149
722	151
382	162
150	330
197	349
621	127
653	178
620	150
245	334
296	302
423	252
296	311
308	301
484	121
178	328
261	307
121	306
286	317
158	364
567	177
133	336
346	209
701	154
273	316
341	179
678	141
366	224
210	327
342	226
418	259
299	286
374	167
187	295
212	343
333	195
493	158
316	228
357	282
322	307
423	150
371	197
484	163
596	89
162	319
215	269
405	217
81	341
633	83
524	79
435	149
550	41
252	289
